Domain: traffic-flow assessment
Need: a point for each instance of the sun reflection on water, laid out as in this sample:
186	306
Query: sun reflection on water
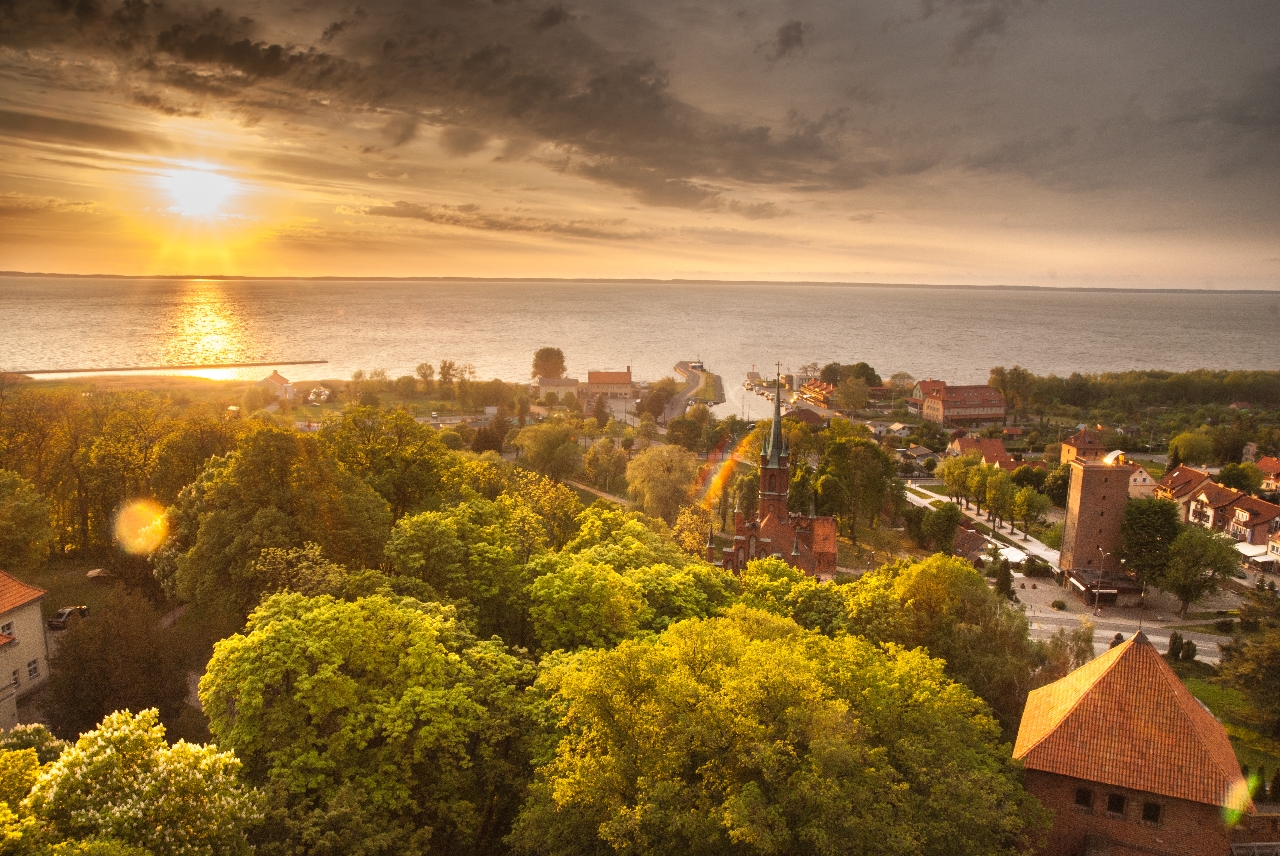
205	327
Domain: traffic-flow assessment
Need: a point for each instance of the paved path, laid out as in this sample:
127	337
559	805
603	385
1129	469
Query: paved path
626	503
1026	545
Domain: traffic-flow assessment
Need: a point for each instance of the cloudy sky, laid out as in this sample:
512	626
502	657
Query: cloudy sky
1037	142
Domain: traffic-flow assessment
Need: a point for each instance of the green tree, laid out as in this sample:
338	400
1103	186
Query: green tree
852	394
1147	534
660	478
1199	559
1192	448
117	659
278	489
954	473
24	523
853	482
692	527
685	433
605	466
1029	476
1030	506
1253	667
584	604
373	726
400	458
1001	492
1058	484
550	448
123	781
747	734
34	736
548	362
977	485
940	524
1243	477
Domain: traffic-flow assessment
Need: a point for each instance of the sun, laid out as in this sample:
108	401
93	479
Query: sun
199	191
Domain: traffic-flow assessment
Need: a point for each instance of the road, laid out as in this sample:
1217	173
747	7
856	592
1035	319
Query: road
697	379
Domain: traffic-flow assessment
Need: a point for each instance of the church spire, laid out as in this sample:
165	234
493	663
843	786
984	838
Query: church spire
774	450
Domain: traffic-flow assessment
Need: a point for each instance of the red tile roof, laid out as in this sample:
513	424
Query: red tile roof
6	640
1182	480
276	378
1084	439
609	377
1126	720
1269	465
1217	496
15	593
991	448
930	387
1260	511
970	395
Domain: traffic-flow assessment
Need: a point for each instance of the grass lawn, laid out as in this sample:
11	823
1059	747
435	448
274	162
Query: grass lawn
1244	726
67	585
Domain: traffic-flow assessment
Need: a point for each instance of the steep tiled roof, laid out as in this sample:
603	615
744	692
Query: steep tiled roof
276	378
1084	439
1126	720
1182	480
970	395
15	593
990	448
1216	496
609	377
1260	511
1269	465
967	542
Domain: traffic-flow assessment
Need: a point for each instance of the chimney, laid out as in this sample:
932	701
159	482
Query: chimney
628	369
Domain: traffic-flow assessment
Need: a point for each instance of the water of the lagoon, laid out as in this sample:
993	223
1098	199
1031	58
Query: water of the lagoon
954	334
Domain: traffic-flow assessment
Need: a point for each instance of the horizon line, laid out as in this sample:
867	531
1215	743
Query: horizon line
645	280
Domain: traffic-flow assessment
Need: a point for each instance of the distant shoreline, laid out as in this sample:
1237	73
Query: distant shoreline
645	281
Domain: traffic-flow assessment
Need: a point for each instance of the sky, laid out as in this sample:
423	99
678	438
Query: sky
1019	142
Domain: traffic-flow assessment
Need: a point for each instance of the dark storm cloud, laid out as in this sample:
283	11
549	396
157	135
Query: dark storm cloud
790	37
472	217
31	126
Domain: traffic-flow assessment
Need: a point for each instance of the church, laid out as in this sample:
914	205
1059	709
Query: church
807	542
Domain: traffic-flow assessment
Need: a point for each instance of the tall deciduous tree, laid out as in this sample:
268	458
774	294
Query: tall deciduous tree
747	734
1199	559
1192	447
122	781
660	479
24	523
373	726
550	448
118	658
1147	534
548	362
853	482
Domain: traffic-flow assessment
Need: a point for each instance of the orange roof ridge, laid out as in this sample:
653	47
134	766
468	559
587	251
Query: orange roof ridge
14	593
1126	720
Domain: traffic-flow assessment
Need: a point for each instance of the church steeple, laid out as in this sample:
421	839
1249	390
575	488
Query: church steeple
775	463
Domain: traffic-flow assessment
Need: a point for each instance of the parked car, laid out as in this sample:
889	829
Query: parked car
62	618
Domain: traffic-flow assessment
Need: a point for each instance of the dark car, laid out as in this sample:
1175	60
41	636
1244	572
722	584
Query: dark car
62	618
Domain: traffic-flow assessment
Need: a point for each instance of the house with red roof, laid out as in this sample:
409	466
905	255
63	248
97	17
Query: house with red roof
1129	762
24	653
1180	485
277	385
1253	520
922	390
1084	445
1270	473
963	405
1211	506
609	384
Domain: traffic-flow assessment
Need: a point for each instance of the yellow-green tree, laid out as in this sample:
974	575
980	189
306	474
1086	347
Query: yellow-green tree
747	734
660	479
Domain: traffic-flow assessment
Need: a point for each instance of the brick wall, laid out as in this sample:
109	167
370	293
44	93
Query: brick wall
1184	829
1095	509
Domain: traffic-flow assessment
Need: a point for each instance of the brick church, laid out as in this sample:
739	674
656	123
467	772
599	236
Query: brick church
807	542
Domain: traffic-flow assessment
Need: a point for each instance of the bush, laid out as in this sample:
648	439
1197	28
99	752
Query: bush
1188	651
1248	625
1175	645
1059	604
1224	624
1035	567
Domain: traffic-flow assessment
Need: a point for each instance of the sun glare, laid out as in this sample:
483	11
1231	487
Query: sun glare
198	192
141	527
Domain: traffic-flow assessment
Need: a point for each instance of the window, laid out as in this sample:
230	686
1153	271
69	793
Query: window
6	629
1115	803
1151	812
15	677
1084	798
33	669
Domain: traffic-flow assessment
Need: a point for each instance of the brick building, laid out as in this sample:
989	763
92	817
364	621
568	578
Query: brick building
922	390
1180	485
1128	761
807	542
610	384
1095	509
24	652
963	405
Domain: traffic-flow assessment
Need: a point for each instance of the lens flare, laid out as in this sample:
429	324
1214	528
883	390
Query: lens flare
141	527
716	477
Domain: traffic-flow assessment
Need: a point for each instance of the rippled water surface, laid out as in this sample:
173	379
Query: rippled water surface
955	334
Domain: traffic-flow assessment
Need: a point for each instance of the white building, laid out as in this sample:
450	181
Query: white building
24	652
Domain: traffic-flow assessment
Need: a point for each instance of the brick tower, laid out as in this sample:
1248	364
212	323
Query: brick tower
775	465
1095	509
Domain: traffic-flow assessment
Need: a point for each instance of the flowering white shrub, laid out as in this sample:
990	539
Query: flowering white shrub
122	781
